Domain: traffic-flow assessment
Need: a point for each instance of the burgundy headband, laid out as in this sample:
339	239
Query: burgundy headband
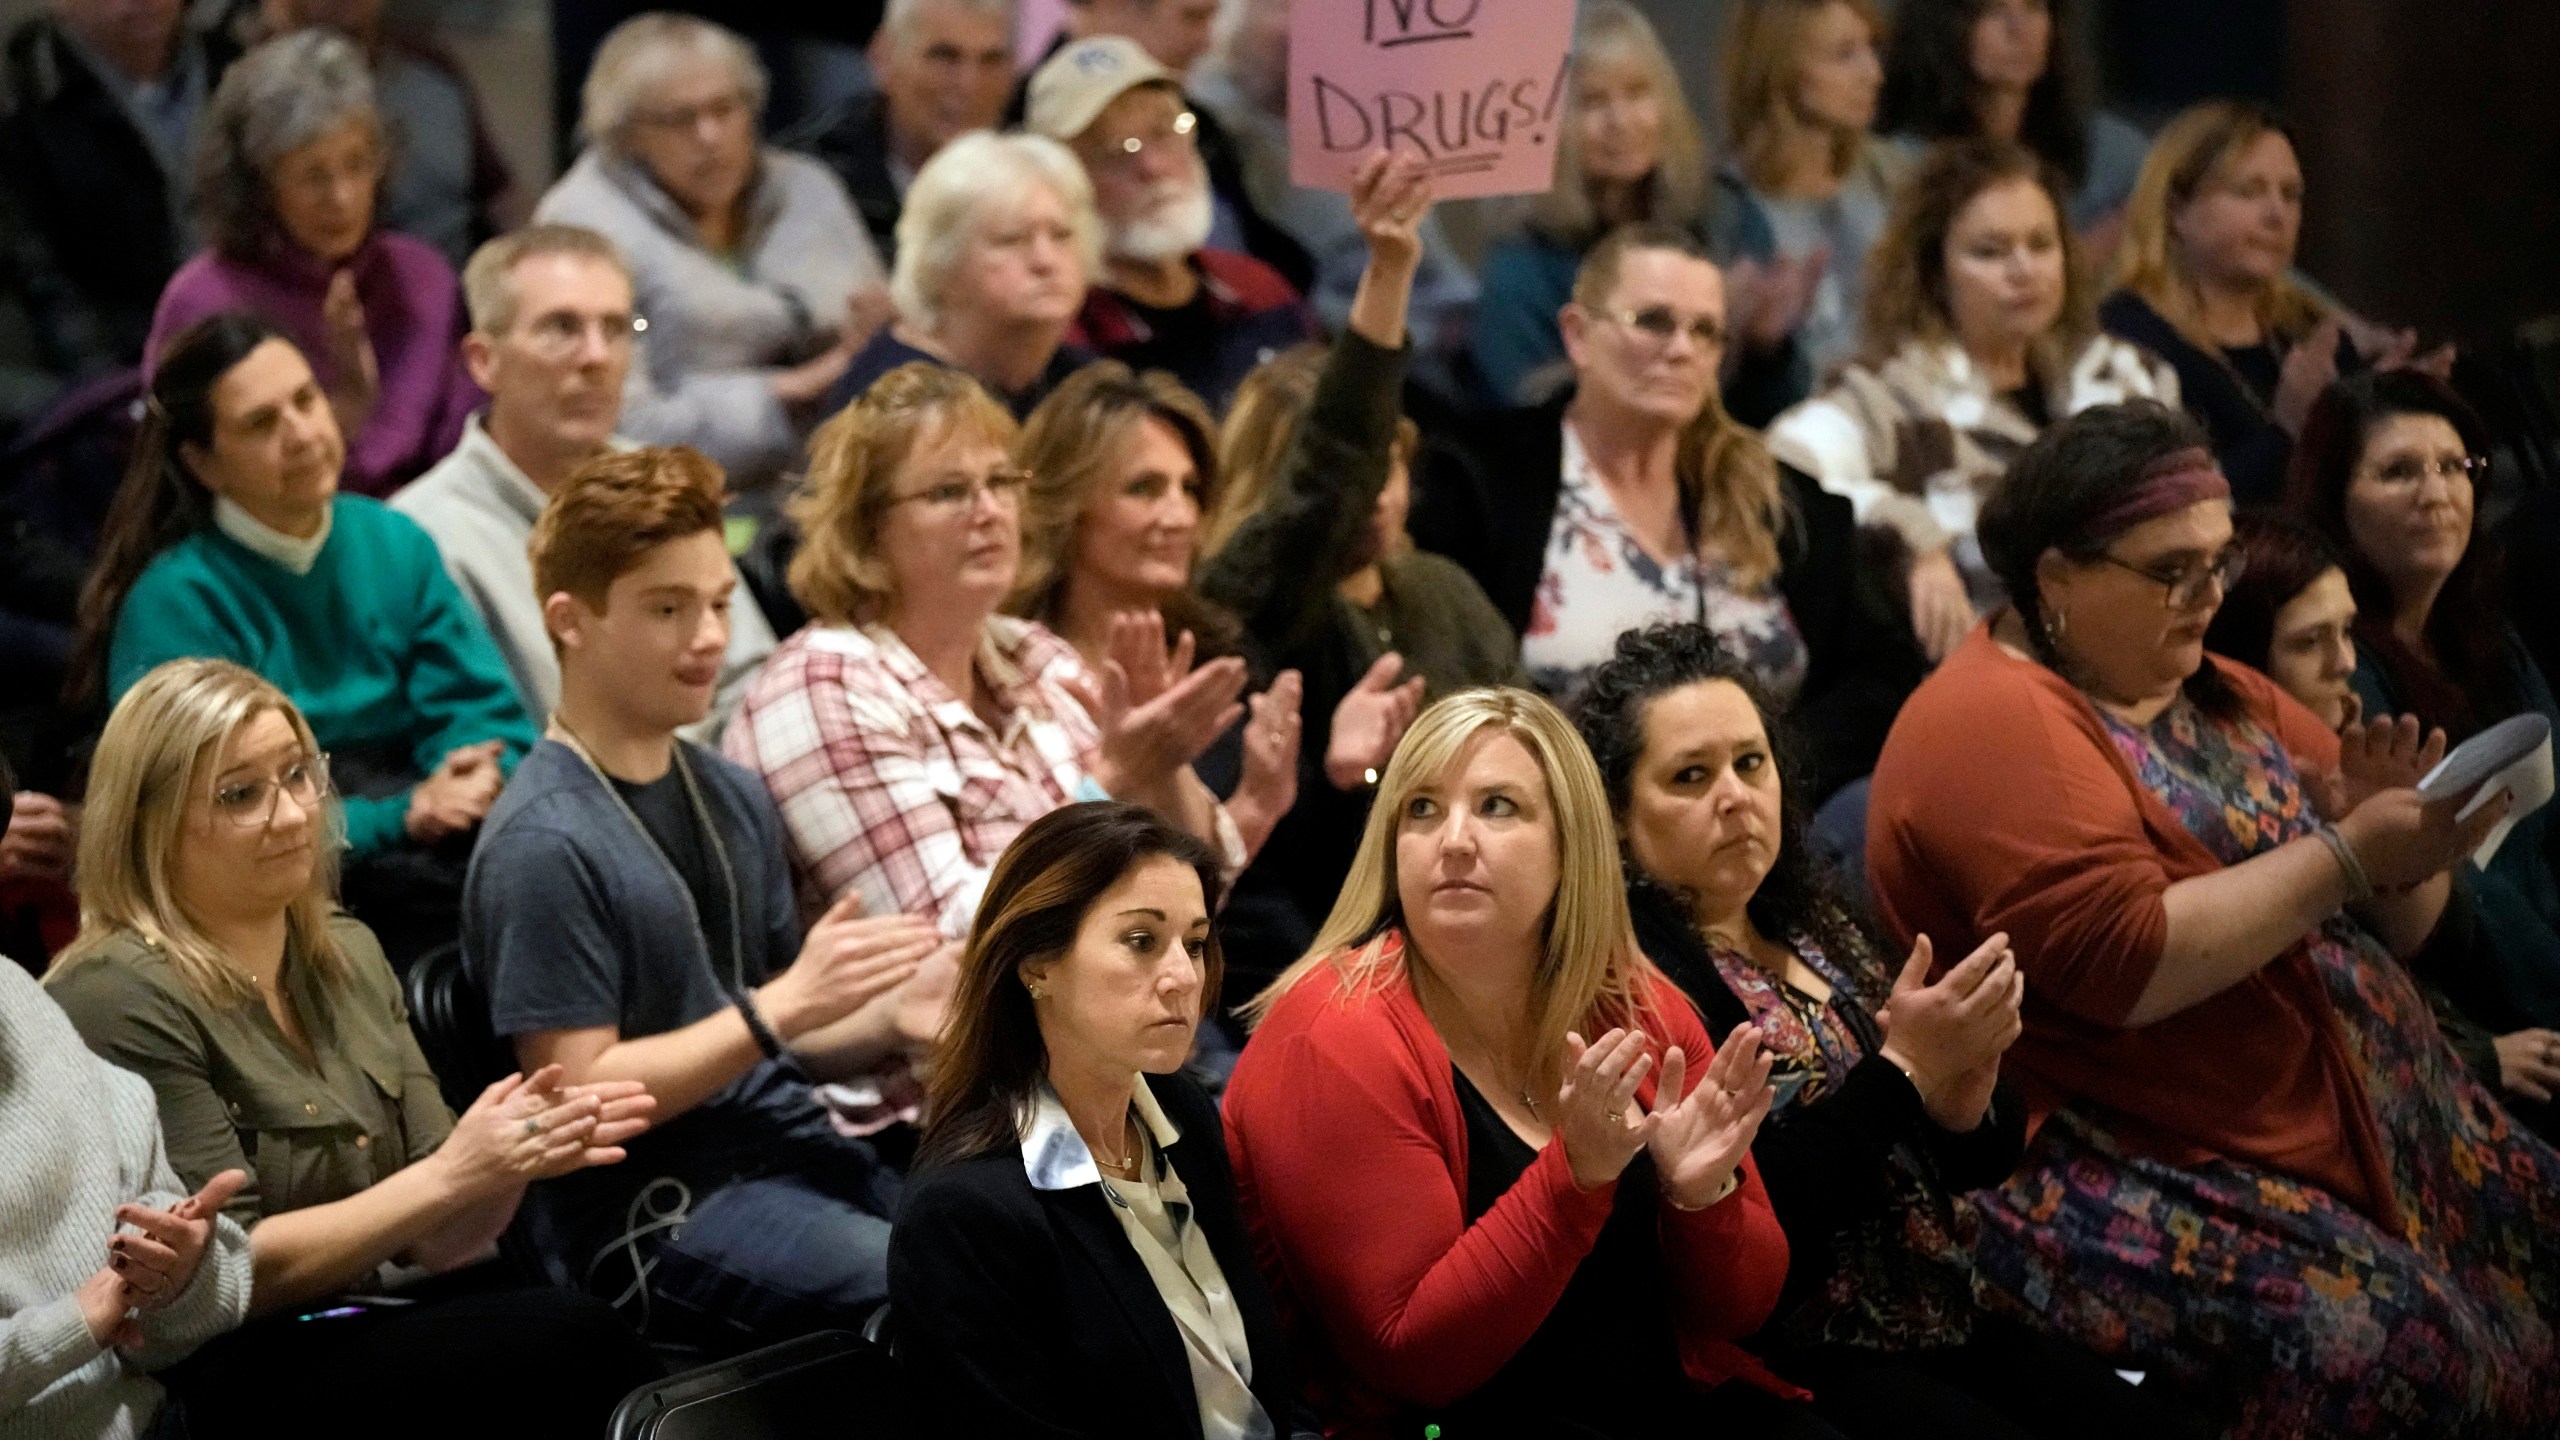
2169	484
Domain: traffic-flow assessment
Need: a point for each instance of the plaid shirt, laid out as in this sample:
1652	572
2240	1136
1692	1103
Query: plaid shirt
893	787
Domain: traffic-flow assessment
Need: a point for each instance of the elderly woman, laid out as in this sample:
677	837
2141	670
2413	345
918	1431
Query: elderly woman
911	731
1638	499
758	281
2008	70
1633	154
1486	1220
212	963
288	173
2389	470
1069	1258
1889	1096
2204	279
996	243
2217	1024
1978	336
229	539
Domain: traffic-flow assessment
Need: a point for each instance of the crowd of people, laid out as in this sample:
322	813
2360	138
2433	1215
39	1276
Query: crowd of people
1776	792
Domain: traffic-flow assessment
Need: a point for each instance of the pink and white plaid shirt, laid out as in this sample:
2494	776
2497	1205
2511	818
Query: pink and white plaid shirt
893	787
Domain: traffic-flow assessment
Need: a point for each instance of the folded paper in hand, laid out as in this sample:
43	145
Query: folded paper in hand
2512	757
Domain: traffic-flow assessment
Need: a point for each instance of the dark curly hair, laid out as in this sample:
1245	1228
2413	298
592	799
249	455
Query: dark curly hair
1798	896
1929	85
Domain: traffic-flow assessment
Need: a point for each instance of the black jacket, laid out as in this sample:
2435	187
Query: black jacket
2251	447
1026	1313
1824	1163
853	141
1491	505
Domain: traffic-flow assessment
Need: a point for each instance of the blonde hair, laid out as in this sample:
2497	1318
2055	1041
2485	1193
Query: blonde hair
1615	30
977	173
1072	445
1589	968
1721	462
1763	67
634	59
1261	421
158	752
1906	281
839	575
2190	151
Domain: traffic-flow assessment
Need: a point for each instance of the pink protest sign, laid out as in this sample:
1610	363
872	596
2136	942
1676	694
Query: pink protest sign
1475	85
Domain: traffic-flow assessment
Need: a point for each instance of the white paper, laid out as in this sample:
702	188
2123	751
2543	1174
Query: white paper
2512	757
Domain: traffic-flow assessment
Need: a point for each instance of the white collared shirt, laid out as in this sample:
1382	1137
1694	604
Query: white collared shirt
1155	1211
292	552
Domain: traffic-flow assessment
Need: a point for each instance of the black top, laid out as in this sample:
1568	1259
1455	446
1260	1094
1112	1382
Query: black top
2228	391
1026	1313
668	815
1491	506
852	139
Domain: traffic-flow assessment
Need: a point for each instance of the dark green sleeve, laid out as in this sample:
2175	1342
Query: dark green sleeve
137	1025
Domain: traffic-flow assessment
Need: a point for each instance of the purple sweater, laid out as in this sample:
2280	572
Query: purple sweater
412	306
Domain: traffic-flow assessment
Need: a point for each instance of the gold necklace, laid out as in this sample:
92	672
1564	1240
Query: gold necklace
1126	1169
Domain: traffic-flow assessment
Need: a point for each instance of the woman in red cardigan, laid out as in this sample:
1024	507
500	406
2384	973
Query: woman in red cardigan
1479	1220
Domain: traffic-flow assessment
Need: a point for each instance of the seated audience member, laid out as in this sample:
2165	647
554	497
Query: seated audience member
2204	279
552	329
1068	1258
745	1218
1634	154
95	1311
447	185
1001	242
230	540
1242	90
2390	469
910	732
212	964
2008	70
758	281
100	105
943	68
286	177
1475	1211
1978	337
1638	499
2208	891
1164	300
1804	166
2291	614
1889	1100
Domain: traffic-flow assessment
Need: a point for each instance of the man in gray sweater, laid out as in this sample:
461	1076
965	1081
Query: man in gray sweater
109	1270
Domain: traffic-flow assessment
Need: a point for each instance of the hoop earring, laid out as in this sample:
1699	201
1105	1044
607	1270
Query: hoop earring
2056	625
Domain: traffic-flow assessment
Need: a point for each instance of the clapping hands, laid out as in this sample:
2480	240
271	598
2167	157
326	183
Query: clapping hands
1698	1139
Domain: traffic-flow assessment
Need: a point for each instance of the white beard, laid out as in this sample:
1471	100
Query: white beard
1176	223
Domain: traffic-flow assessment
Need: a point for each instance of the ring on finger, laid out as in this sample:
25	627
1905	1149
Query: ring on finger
1617	1117
532	1125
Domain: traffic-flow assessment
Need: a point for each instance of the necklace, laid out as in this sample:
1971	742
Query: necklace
1126	1169
737	982
1475	1042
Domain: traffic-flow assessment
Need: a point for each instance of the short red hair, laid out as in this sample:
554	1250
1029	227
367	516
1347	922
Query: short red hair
618	507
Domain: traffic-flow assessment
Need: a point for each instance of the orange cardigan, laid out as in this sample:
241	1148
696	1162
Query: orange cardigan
2001	803
1350	1159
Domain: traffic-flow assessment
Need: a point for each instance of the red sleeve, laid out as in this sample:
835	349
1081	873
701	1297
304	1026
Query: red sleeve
1356	1191
1995	801
1729	1259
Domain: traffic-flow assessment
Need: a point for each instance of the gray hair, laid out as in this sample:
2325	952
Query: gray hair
274	100
898	21
635	58
962	181
489	281
1611	30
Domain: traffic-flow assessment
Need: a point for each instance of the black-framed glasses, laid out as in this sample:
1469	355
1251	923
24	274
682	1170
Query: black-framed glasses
2401	471
956	495
1658	323
250	802
2186	583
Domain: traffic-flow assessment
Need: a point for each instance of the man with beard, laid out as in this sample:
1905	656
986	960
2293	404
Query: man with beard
1164	300
551	339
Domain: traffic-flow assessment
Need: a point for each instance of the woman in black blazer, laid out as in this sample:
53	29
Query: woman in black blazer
1068	1260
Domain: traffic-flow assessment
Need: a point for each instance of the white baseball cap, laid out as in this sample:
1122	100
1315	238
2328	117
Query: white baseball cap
1074	86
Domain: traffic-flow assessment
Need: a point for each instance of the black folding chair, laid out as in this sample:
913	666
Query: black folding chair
450	1017
832	1383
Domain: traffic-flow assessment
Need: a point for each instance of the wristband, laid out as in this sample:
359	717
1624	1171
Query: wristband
2359	884
767	1041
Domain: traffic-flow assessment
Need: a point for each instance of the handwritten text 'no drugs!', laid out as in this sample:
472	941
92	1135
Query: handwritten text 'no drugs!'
1458	129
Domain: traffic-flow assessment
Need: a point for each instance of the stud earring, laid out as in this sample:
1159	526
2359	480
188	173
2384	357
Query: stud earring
1037	993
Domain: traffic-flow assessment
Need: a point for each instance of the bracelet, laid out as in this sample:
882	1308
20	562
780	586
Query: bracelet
1732	1182
767	1041
2359	884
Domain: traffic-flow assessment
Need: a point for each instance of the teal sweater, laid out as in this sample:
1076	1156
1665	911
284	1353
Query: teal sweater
376	645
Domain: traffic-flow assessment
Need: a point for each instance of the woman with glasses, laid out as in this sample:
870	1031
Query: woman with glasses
1637	499
2390	470
911	731
758	281
229	539
2256	1169
1978	336
288	175
212	962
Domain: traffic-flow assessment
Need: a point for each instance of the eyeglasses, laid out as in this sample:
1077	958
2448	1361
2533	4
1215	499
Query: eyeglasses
2408	470
558	335
1180	135
1658	323
723	112
251	804
957	496
2186	584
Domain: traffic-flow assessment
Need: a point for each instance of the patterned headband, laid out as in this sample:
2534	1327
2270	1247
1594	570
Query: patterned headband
2169	484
